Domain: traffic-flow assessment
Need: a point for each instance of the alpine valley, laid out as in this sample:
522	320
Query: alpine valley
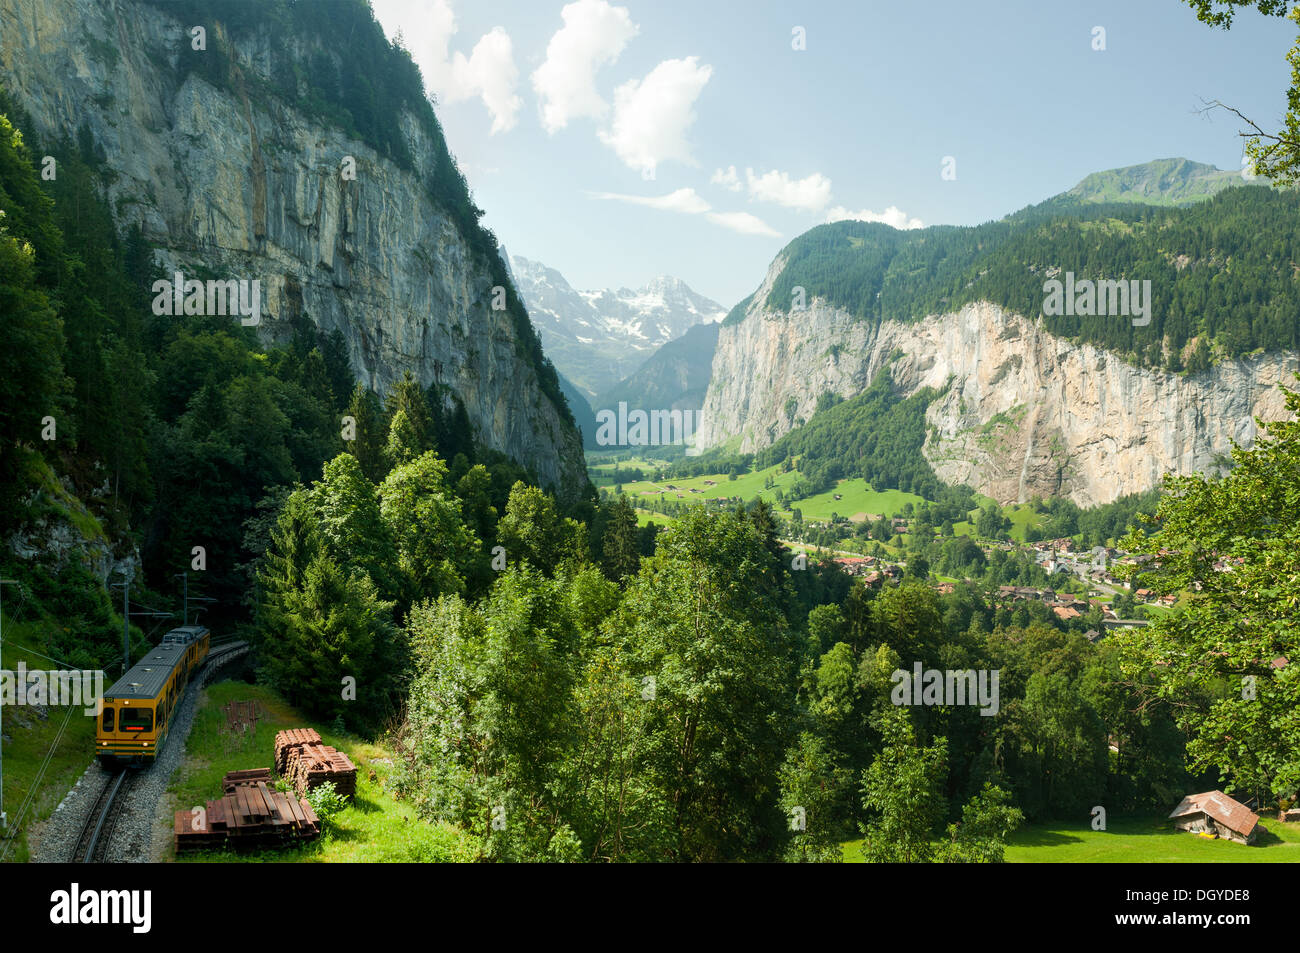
392	547
1087	407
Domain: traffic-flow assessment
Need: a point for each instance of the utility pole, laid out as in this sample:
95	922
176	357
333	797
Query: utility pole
4	818
185	583
185	589
125	586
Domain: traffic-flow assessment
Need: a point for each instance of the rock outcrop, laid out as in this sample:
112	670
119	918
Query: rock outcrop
1022	412
235	184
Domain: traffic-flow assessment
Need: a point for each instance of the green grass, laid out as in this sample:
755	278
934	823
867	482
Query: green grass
32	738
1144	840
601	471
1022	516
856	497
645	517
373	828
1148	841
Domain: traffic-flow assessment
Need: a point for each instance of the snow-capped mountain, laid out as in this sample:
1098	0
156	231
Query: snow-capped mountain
598	338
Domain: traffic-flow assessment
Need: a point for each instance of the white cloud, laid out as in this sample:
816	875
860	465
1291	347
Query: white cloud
807	194
689	202
890	216
742	222
593	35
683	200
727	179
488	73
651	115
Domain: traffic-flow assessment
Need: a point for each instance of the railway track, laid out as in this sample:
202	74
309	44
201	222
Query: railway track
102	819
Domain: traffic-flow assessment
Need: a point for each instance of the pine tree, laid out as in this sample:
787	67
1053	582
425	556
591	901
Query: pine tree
368	447
621	552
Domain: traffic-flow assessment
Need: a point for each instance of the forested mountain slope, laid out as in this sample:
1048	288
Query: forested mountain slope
296	148
1091	407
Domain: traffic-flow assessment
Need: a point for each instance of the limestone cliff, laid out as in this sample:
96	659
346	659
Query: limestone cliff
1023	413
234	183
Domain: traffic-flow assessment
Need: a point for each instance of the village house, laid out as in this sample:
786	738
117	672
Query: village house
1215	813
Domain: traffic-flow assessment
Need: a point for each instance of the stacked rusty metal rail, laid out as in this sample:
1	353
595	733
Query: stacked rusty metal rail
250	814
288	741
311	765
241	716
234	779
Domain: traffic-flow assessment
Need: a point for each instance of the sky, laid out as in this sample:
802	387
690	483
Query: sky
618	141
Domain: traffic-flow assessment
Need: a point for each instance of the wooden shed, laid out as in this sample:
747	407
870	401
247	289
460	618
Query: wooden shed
1215	813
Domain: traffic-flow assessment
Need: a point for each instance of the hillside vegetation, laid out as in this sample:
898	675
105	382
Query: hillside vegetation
1222	271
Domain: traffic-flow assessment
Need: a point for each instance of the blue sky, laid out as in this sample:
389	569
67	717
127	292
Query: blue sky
600	136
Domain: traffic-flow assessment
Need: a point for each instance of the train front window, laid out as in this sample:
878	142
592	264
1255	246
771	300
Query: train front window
137	719
107	723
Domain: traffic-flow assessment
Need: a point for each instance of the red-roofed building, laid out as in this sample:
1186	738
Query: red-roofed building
1215	813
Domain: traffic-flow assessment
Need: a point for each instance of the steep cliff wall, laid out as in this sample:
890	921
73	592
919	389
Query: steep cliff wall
1024	412
233	183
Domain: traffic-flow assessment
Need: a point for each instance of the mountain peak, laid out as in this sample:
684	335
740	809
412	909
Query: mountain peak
597	338
1174	181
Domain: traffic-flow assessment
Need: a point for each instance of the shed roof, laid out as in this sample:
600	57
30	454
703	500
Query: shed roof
1232	814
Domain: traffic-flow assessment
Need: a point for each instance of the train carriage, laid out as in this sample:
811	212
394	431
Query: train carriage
138	708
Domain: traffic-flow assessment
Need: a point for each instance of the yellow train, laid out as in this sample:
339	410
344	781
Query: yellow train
138	707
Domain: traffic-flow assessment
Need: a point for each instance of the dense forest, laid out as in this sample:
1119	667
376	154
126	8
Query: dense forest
1221	271
154	434
876	435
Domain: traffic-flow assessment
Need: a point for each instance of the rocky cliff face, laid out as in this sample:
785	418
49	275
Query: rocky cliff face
1024	413
238	185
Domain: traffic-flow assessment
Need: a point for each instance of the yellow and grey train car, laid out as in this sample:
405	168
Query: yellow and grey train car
137	709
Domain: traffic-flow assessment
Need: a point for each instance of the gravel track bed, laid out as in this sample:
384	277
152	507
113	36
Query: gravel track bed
53	840
133	838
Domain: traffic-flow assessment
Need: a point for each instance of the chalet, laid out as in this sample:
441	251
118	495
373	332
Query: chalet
1066	613
854	565
1092	635
1168	599
710	483
1215	813
1144	594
